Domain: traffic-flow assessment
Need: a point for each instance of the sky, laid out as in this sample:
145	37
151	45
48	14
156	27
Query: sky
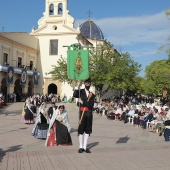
138	27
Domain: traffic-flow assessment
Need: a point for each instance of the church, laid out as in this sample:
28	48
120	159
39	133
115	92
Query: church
26	59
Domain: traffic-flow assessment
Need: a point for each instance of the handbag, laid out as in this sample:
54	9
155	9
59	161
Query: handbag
167	123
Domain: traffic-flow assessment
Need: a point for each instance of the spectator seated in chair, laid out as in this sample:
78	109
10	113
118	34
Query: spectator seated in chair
125	110
167	126
118	112
148	117
131	114
160	127
137	118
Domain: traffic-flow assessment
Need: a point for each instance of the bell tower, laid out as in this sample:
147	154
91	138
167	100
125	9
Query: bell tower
56	11
56	7
55	30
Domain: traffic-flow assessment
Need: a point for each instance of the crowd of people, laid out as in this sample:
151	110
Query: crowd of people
21	97
143	112
50	123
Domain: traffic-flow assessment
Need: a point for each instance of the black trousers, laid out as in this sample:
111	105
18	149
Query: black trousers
86	123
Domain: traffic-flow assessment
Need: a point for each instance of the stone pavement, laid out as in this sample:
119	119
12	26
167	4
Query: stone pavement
114	146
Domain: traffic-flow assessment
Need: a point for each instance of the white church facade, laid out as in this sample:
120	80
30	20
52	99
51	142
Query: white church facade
39	51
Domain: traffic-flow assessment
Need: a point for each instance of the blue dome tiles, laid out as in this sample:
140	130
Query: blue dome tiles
90	30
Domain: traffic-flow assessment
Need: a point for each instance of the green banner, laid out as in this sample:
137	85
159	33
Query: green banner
78	62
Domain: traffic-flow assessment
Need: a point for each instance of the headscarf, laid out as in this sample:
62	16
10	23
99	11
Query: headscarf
60	117
38	119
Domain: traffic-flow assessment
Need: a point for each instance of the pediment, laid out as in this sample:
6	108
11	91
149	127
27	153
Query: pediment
58	27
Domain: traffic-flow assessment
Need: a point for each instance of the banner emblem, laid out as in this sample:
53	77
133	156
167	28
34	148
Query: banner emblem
78	62
23	77
35	78
10	75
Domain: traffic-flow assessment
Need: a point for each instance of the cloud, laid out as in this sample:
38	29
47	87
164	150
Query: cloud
135	29
130	30
140	36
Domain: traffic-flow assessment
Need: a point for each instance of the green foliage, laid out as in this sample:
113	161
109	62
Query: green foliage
137	85
167	12
59	71
166	46
107	68
112	70
157	77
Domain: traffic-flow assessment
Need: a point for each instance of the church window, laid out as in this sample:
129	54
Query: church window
60	9
31	65
19	62
6	59
53	47
51	9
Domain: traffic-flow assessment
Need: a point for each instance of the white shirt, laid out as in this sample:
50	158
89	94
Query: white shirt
118	111
87	93
131	113
53	109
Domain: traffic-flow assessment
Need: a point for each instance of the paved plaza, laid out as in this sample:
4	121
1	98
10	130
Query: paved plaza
114	145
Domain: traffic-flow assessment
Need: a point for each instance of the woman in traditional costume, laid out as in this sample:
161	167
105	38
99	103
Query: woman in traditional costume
59	128
27	113
42	123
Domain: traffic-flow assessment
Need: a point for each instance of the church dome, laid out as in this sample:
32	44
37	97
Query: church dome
90	30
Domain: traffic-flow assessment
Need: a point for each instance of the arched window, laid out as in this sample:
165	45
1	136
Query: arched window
60	9
51	9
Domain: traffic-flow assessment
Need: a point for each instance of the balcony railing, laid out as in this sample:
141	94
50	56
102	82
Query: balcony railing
18	70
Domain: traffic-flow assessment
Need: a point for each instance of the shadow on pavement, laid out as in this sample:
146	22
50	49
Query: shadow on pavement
11	149
5	111
2	154
123	139
91	145
13	130
73	130
13	113
23	128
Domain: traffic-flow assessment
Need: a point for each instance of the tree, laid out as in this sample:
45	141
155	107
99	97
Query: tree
111	69
166	47
157	77
107	68
138	85
59	71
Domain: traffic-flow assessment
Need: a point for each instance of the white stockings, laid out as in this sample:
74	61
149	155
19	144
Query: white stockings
86	136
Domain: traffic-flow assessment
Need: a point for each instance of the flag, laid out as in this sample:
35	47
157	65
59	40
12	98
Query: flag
23	77
10	75
35	74
78	62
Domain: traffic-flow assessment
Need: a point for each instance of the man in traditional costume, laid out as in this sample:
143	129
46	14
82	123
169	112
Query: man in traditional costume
85	104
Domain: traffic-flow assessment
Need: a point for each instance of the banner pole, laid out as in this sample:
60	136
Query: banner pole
79	102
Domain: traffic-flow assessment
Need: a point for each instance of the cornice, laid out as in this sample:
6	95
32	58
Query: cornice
57	34
17	45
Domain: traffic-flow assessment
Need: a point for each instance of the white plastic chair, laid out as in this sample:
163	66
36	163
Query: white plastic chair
130	119
148	124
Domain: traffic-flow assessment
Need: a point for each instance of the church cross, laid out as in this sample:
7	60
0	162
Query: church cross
89	13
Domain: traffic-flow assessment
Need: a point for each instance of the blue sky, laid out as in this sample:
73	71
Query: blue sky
138	27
